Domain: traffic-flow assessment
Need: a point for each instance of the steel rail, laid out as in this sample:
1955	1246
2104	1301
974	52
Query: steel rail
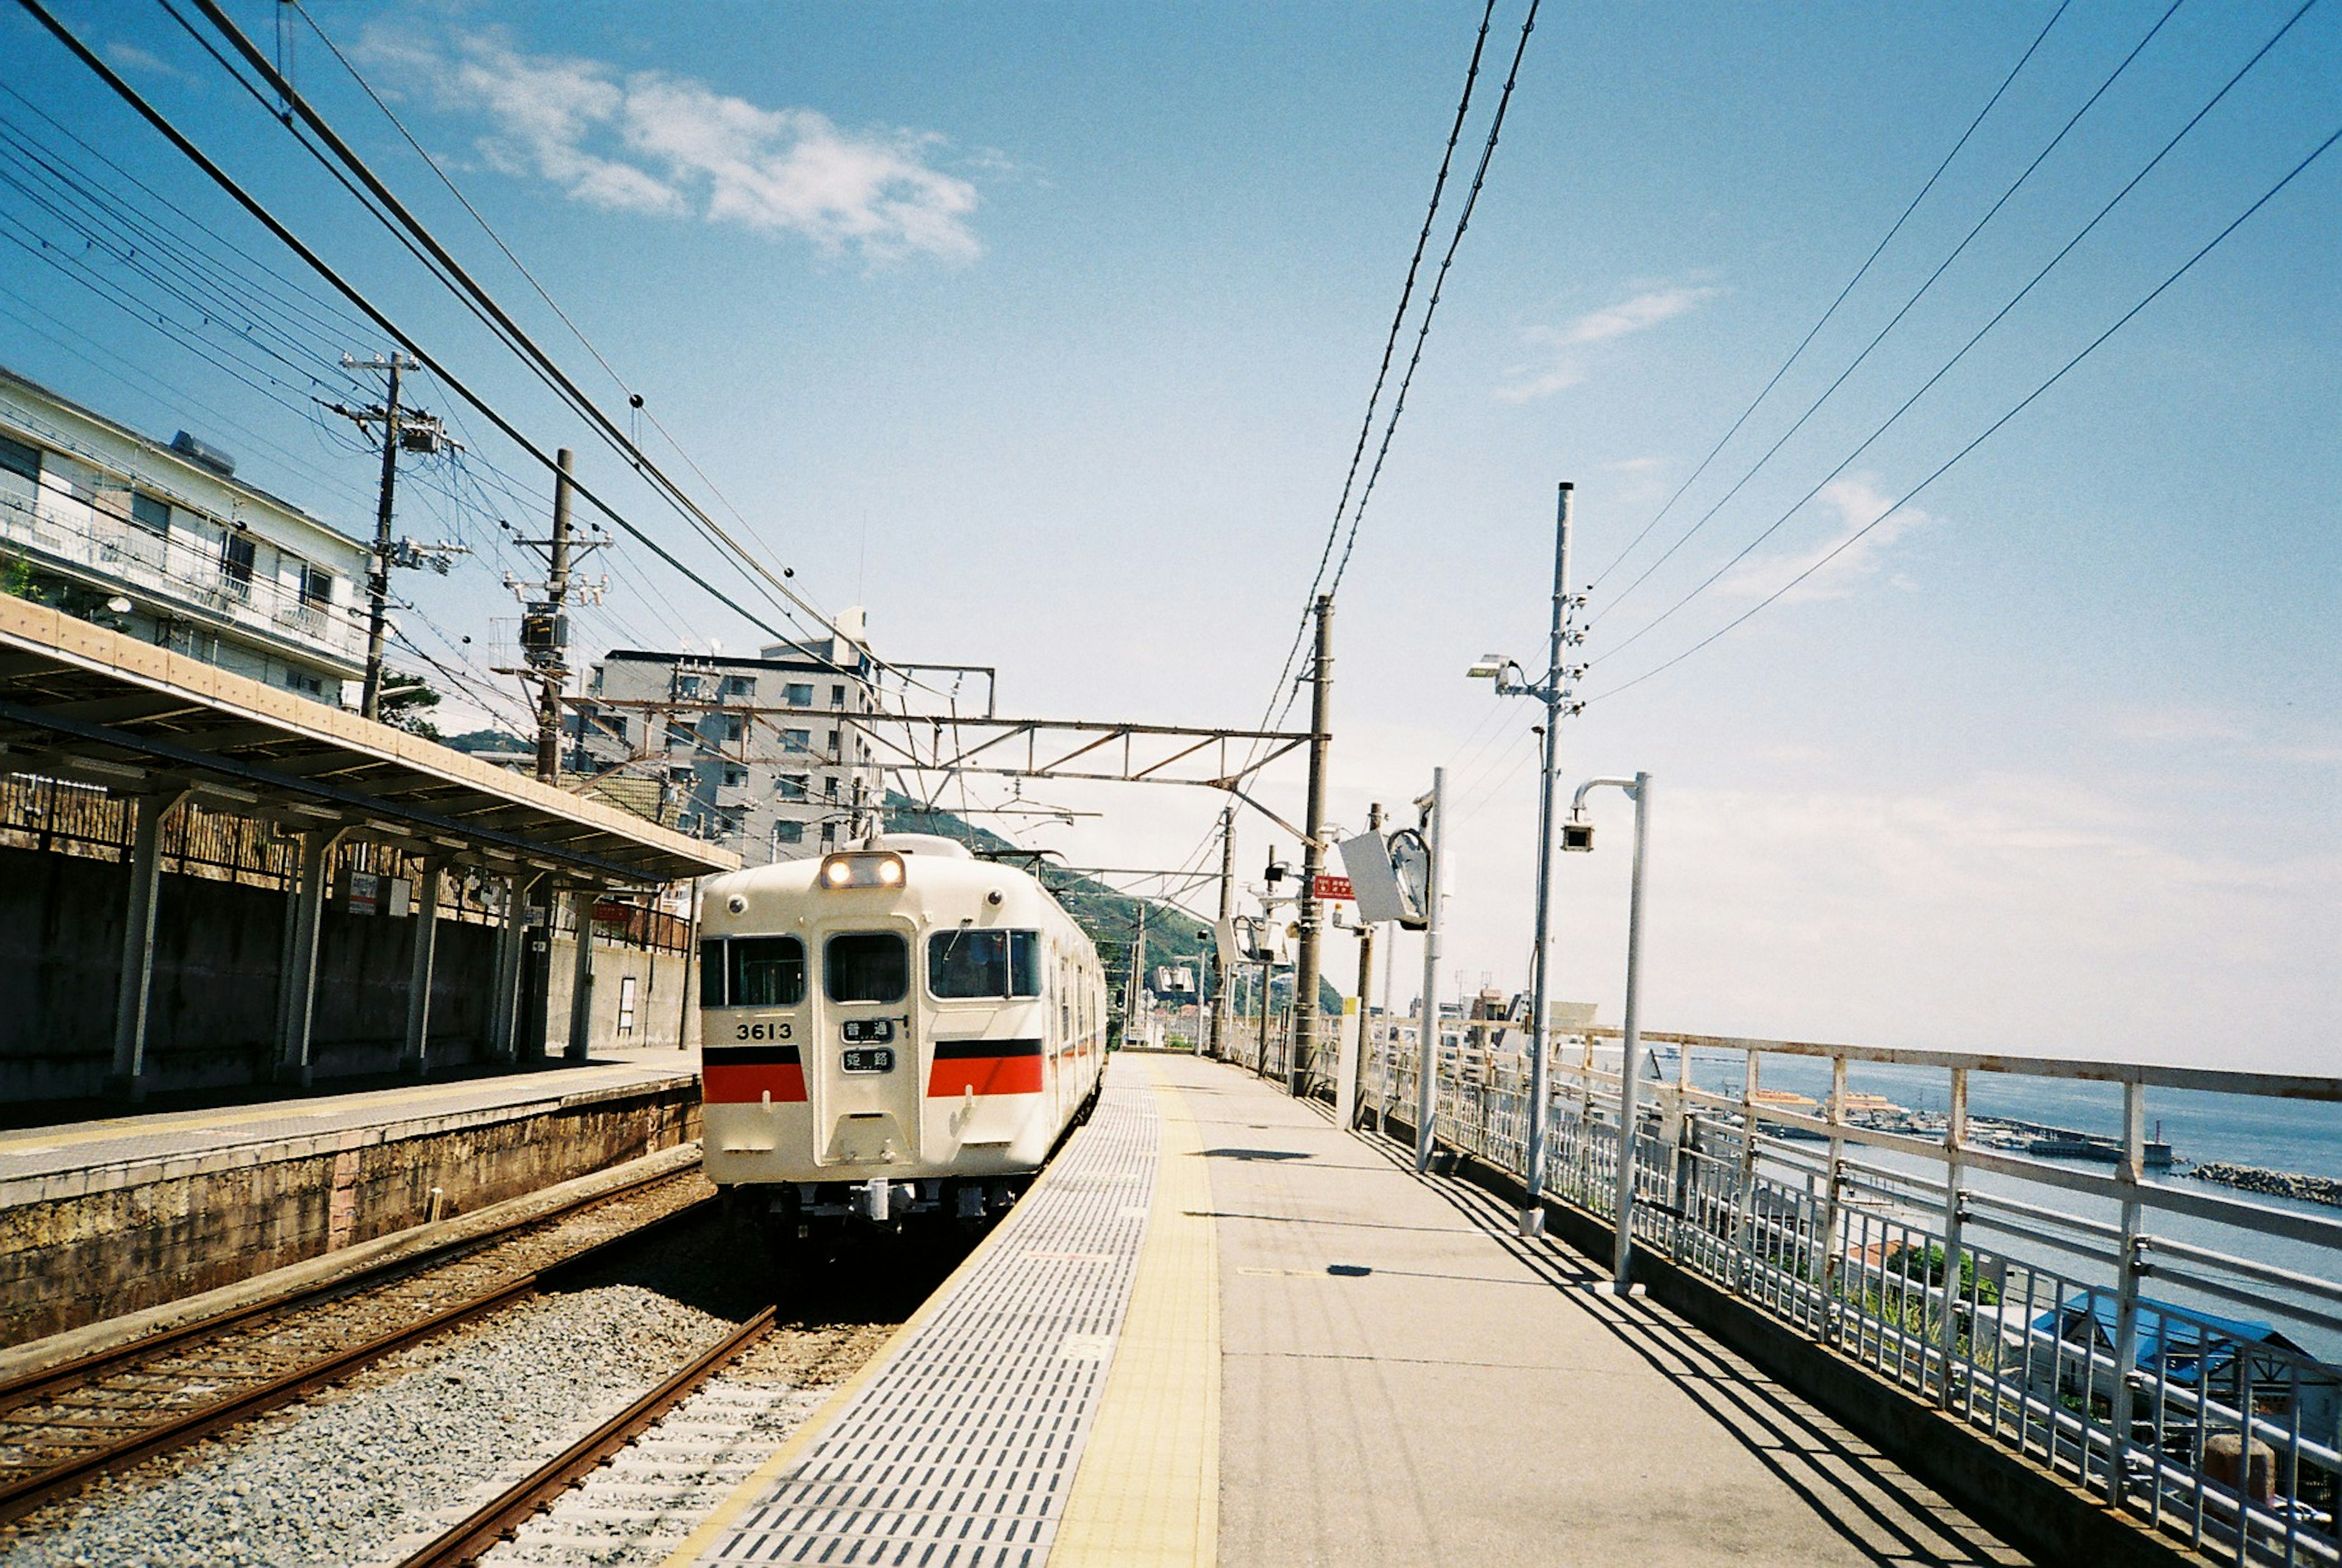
497	1520
97	1363
23	1495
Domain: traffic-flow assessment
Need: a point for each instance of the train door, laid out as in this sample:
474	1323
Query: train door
862	1060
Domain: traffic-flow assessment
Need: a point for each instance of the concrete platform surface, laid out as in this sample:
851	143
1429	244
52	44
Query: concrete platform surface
1312	1355
72	1160
1405	1380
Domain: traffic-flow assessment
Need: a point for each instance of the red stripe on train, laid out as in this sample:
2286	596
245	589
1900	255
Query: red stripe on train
986	1075
748	1083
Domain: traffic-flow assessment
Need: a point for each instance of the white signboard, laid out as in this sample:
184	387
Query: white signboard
1366	860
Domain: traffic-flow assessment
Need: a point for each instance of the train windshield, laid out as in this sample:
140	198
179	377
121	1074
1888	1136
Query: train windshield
998	964
766	970
866	966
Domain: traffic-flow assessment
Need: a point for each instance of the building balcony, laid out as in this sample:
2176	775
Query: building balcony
179	575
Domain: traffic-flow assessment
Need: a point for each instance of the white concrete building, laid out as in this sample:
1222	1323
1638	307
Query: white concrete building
760	755
163	543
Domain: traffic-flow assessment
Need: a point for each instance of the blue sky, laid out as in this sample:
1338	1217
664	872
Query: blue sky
1046	333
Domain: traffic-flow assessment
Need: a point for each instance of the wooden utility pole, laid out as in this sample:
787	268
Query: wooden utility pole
544	620
1306	963
378	575
553	673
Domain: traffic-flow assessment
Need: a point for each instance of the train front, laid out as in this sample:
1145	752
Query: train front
875	1039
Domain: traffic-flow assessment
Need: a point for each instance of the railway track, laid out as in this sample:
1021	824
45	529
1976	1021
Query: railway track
502	1516
66	1425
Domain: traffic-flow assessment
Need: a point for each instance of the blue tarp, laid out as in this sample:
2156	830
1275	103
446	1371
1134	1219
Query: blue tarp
2185	1343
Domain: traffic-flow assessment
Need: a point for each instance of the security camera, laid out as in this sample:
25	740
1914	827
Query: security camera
1578	836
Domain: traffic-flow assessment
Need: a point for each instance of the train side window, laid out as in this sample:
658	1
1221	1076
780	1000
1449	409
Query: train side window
766	970
1023	963
966	964
711	972
866	966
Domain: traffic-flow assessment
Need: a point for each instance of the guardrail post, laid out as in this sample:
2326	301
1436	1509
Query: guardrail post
1682	1129
1743	1198
1832	1259
2129	1268
1955	1133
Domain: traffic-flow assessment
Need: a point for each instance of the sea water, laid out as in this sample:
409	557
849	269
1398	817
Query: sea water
2295	1136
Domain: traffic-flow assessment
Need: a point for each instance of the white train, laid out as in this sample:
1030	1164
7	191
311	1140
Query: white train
890	1031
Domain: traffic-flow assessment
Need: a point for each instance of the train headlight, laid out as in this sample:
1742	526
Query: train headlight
862	869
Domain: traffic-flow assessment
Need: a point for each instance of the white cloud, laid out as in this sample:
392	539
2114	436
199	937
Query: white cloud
647	142
1637	313
2028	915
1858	504
129	56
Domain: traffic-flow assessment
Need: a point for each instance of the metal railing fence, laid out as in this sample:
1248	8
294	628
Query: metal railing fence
182	567
1968	1275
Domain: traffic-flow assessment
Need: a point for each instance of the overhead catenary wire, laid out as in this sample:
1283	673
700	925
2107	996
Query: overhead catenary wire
1987	433
1999	315
1390	349
1830	313
1423	328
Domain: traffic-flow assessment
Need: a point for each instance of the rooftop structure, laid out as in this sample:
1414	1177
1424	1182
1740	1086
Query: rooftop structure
163	542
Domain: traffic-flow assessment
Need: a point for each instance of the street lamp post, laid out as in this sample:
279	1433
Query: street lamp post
1555	691
1630	1073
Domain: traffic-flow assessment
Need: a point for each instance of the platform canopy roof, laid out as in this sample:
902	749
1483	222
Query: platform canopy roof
83	702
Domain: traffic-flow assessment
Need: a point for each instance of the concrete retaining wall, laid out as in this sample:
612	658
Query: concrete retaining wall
218	951
137	1235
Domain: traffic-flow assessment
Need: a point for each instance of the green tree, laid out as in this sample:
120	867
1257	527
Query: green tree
407	703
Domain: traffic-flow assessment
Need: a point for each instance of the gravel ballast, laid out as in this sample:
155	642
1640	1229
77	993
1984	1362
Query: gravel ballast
342	1479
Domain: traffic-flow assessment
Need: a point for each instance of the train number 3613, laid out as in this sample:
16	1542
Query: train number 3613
761	1032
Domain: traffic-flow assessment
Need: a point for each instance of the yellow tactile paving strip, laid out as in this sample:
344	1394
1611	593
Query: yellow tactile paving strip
1148	1489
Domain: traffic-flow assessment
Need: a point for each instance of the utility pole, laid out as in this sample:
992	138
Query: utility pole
378	575
1219	1037
1305	967
555	674
1558	700
1555	691
1134	996
544	620
1366	978
402	431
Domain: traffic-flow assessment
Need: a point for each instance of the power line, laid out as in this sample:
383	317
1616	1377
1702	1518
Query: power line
1390	345
1997	316
162	124
1423	329
452	273
1896	320
1859	273
1908	496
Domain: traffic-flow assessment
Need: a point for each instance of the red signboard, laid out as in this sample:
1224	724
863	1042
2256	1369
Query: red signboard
1332	887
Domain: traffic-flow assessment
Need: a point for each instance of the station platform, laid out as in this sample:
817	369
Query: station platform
103	1219
71	1159
1222	1330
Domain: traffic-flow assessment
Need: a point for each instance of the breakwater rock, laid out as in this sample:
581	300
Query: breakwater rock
2277	1184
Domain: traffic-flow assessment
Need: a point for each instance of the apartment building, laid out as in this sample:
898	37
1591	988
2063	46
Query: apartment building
163	542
